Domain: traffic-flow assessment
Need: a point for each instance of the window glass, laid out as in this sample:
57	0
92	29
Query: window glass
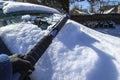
40	19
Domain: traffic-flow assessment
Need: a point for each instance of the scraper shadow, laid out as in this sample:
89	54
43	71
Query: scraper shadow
71	38
104	69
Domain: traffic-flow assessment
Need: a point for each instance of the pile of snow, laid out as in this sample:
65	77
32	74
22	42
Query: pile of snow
77	53
112	31
18	6
109	11
90	13
81	12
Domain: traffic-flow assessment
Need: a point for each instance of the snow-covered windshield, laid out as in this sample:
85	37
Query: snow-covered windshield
17	12
41	20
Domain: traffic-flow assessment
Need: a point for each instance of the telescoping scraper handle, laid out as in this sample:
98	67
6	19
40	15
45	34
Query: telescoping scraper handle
38	50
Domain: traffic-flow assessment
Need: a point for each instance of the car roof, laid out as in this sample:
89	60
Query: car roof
14	7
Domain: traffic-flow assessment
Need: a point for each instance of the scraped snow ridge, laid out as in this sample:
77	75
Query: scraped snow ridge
77	52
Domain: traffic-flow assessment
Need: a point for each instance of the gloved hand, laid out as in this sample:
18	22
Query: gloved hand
20	64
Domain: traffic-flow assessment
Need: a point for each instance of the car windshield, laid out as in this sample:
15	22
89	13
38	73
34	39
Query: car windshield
42	20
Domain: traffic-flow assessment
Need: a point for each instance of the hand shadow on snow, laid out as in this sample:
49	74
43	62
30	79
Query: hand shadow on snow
104	67
44	69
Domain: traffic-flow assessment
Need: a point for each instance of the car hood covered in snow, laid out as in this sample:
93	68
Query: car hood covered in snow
77	53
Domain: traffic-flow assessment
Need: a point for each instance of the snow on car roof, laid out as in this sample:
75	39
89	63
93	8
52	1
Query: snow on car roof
19	6
1	3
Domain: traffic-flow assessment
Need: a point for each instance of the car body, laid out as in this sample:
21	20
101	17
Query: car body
15	13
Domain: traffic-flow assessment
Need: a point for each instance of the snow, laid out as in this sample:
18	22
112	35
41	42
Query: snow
109	11
20	36
77	53
113	31
80	12
19	6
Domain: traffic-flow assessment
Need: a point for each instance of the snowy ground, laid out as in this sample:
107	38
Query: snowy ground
111	31
77	53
